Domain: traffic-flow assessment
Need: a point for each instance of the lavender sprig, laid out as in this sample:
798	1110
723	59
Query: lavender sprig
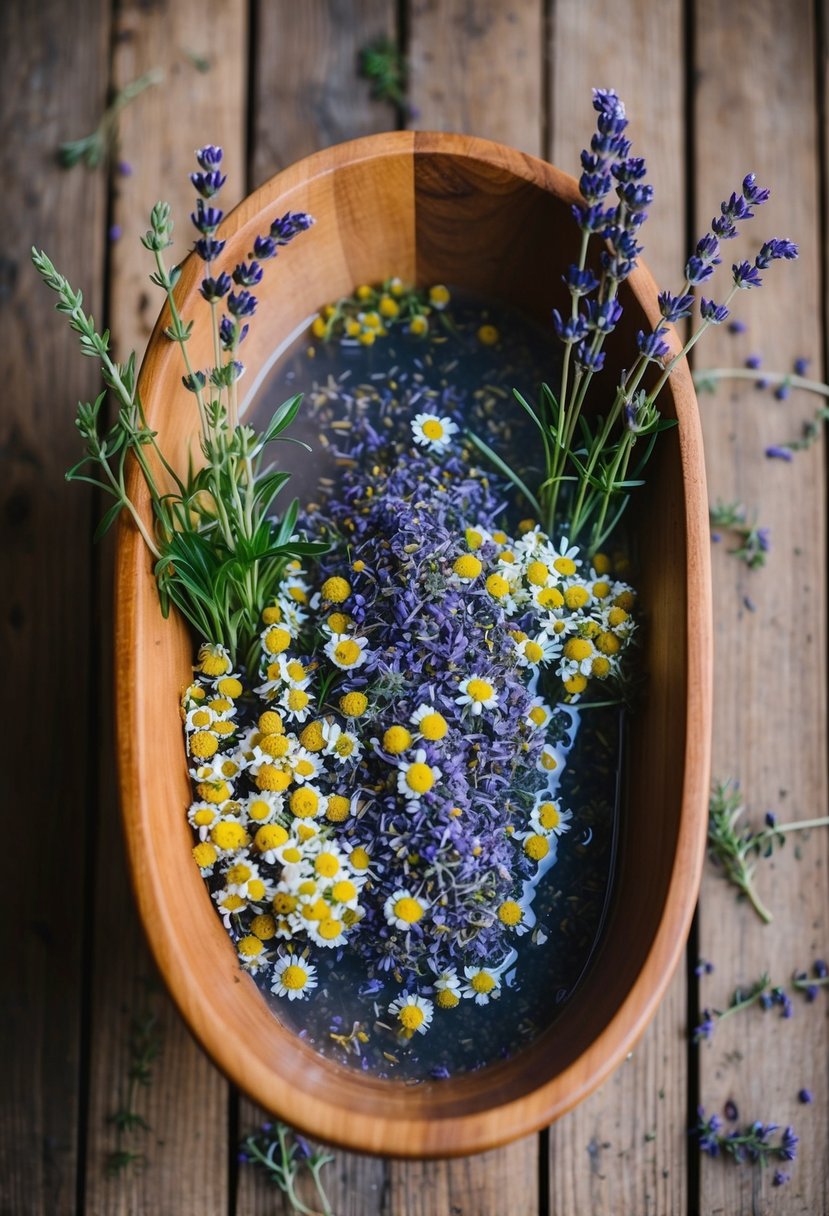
754	541
707	380
750	1144
732	847
283	1154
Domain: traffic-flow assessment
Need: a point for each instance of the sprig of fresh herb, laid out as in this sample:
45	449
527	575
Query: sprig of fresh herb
145	1044
95	148
732	846
765	994
750	1143
285	1155
754	541
383	64
706	382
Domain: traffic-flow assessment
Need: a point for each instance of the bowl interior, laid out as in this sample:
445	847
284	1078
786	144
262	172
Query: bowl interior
431	209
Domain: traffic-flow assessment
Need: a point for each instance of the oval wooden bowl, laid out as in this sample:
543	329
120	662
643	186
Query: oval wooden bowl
430	208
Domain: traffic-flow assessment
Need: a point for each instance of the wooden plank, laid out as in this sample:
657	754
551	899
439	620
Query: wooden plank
756	109
55	69
476	67
187	1104
308	94
638	1119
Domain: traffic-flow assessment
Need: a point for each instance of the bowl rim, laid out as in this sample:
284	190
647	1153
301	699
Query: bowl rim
500	1122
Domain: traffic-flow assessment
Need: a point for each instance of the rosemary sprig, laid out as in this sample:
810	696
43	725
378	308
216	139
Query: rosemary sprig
145	1044
733	847
383	64
93	149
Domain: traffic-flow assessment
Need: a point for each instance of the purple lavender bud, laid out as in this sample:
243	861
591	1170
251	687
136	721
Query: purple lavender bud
771	819
593	219
242	1157
801	366
788	1145
267	1127
590	360
778	452
697	270
241	305
737	327
591	163
754	194
208	184
674	308
804	1096
124	168
115	232
708	249
302	1144
569	329
248	274
722	227
782	391
286	227
754	361
730	1111
820	968
780	1179
705	1030
710	311
603	316
766	1001
227	333
716	537
194	383
637	198
206	219
208	248
764	539
594	186
774	249
633	169
746	275
612	119
652	346
736	208
213	289
580	282
811	992
209	157
264	247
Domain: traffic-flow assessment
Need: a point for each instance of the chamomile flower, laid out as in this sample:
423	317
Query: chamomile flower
578	655
430	723
205	856
330	931
447	989
567	560
548	818
230	904
416	778
199	717
328	863
537	651
297	704
482	985
479	694
229	835
202	816
539	714
213	661
402	910
240	873
293	671
346	651
549	759
345	891
293	977
513	916
343	745
433	432
294	615
252	953
269	838
413	1012
307	802
304	765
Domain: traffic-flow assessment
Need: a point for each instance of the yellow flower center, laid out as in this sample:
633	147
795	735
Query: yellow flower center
275	745
272	778
201	718
408	909
271	836
616	617
295	978
359	858
232	903
388	307
272	615
420	778
482	982
488	335
298	594
601	589
439	296
410	1017
548	815
537	574
330	928
277	640
263	926
338	808
533	653
608	643
256	889
601	563
295	671
497	586
510	913
250	946
467	566
238	874
204	817
223	728
203	745
311	737
344	745
480	690
338	622
229	687
270	723
213	791
347	653
447	999
305	831
335	590
305	803
212	664
624	600
291	855
284	904
343	891
600	667
204	854
304	768
576	597
297	699
538	715
354	704
473	538
578	649
326	865
576	684
433	726
396	739
565	566
229	836
548	760
536	847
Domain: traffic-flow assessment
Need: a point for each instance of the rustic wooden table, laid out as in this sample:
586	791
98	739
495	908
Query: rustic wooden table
713	90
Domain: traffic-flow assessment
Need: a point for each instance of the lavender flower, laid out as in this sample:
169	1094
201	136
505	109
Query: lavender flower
248	274
569	329
801	366
737	327
712	312
779	452
804	1096
213	289
206	219
241	304
208	184
652	346
590	360
208	248
746	275
774	249
674	308
580	282
754	194
209	157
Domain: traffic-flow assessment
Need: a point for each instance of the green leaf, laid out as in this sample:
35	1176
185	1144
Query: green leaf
282	418
108	520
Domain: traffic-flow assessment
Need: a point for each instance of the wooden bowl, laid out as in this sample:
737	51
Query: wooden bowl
429	208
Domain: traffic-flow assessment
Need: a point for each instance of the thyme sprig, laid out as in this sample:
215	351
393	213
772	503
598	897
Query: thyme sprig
383	64
736	847
753	540
284	1155
145	1042
95	148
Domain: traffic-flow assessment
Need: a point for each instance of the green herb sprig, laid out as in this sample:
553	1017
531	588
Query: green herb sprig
753	540
145	1043
285	1155
95	148
383	64
736	848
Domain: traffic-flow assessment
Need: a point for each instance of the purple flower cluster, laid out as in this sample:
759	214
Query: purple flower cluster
241	304
751	1143
404	517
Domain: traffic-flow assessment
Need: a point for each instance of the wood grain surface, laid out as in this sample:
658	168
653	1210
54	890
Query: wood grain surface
713	91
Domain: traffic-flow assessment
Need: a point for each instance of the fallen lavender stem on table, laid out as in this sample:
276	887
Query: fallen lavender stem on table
765	994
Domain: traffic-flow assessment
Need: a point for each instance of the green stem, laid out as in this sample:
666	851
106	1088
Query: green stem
177	326
703	378
617	472
574	309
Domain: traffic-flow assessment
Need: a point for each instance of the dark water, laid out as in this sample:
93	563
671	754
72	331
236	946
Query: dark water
346	1017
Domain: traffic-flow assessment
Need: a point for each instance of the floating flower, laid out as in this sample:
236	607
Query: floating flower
402	909
447	989
414	1013
548	818
433	432
346	652
293	977
417	778
481	986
